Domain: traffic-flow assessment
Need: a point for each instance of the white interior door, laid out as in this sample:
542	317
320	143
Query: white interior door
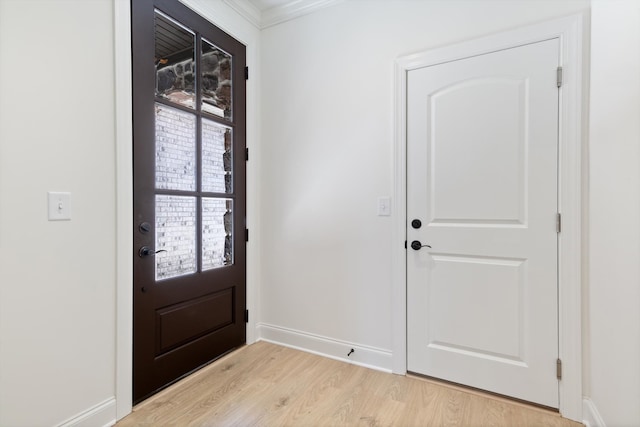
482	162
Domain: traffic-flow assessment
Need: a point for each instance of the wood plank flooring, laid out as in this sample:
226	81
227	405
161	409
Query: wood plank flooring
268	385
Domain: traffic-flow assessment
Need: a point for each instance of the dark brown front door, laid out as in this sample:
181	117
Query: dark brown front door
189	193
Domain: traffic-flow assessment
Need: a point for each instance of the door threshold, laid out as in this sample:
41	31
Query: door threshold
483	393
185	379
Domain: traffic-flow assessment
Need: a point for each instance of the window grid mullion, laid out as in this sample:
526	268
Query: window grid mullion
198	109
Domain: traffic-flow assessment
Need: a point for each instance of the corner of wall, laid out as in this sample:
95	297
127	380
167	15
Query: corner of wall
586	59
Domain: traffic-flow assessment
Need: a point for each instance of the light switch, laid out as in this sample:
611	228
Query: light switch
59	206
384	206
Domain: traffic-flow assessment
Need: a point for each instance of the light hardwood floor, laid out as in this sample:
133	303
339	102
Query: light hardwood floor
268	385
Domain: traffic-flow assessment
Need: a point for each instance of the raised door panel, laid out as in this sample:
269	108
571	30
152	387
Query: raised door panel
476	125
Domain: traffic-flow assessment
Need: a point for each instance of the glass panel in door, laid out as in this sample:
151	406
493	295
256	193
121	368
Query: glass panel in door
216	81
175	236
216	157
174	61
217	232
175	149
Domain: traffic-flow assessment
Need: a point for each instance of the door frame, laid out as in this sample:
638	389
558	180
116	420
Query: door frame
222	17
569	31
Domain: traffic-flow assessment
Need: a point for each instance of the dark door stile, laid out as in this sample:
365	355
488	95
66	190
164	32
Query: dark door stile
184	322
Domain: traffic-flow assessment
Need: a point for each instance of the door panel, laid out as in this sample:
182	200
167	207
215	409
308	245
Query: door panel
464	126
181	322
462	325
189	193
482	177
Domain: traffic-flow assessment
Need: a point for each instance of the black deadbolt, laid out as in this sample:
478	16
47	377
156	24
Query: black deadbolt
416	223
145	227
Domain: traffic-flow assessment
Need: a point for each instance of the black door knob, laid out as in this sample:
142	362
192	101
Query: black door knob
417	245
146	251
416	223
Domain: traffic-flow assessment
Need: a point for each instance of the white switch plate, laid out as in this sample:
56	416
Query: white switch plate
384	206
59	206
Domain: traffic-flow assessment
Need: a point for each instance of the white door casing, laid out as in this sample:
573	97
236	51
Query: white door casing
570	31
482	178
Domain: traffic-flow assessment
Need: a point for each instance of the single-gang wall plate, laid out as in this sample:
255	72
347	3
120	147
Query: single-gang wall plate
59	206
384	206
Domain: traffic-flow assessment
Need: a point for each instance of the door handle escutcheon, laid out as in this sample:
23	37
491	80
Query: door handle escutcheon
417	245
146	251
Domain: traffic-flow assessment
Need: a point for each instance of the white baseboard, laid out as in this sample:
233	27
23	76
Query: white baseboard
591	416
369	357
103	414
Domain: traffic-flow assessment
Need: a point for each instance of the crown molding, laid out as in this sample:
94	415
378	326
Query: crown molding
247	10
293	9
279	14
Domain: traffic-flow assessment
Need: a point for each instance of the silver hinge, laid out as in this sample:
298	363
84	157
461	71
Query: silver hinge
559	76
559	369
558	222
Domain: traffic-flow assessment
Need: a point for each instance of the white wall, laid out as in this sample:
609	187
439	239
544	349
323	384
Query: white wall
57	279
614	267
327	103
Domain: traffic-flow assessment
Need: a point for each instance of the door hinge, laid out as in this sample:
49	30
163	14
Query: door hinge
558	222
246	154
559	76
559	369
246	73
246	234
246	316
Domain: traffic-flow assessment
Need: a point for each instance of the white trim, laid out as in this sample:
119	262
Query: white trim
569	31
369	357
124	208
277	14
247	10
399	225
212	12
292	10
102	414
570	205
591	416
